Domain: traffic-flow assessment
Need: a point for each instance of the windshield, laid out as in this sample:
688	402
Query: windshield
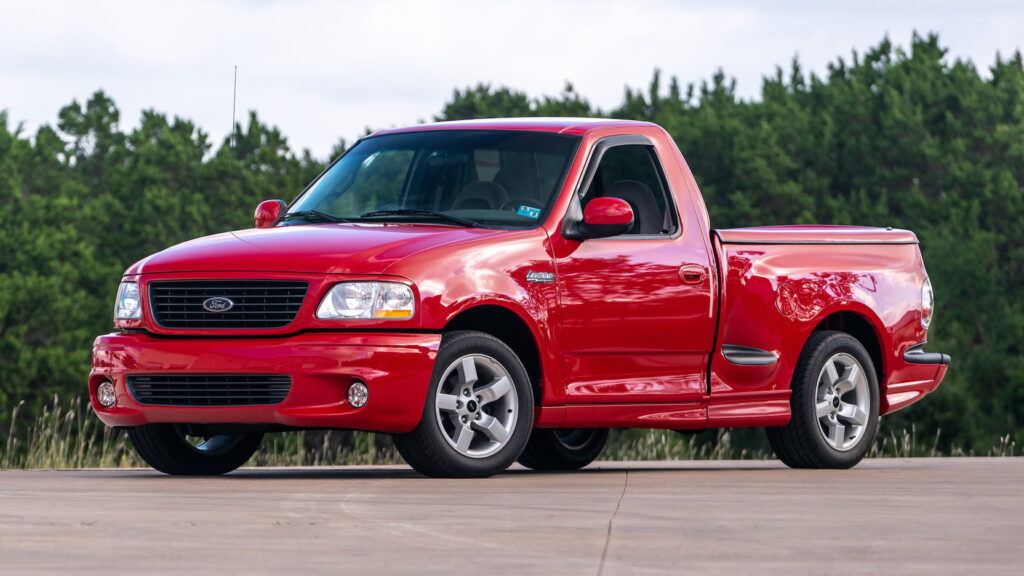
492	178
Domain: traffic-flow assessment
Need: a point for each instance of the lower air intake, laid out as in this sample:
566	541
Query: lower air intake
209	390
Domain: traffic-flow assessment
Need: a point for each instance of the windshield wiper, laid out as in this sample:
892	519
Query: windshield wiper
312	216
416	212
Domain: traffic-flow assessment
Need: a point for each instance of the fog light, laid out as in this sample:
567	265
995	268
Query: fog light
358	394
105	394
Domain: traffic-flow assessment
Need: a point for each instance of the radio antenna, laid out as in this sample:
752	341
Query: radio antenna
234	99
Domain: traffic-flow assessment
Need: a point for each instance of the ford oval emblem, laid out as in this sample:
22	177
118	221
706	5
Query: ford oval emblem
217	304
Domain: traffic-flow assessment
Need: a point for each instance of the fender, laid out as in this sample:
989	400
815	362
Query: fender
513	273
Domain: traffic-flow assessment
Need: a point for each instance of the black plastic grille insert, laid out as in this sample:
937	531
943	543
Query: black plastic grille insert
209	390
256	304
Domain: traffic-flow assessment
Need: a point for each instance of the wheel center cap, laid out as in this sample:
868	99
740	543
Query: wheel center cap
835	401
471	406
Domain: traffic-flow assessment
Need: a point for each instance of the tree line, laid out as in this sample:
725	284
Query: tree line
896	136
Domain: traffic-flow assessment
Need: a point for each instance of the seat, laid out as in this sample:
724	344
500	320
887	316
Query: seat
518	175
647	216
480	195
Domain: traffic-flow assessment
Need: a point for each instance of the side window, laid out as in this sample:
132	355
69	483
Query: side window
632	173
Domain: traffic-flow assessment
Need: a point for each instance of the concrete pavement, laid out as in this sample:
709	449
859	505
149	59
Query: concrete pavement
919	516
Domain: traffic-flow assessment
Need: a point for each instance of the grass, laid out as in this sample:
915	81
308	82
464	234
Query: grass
66	434
671	445
315	448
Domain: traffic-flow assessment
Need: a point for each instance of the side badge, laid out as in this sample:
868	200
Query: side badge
540	277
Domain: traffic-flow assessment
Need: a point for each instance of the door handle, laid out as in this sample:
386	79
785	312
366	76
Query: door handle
692	274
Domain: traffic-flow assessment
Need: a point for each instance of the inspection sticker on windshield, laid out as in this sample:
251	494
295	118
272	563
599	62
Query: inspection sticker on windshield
528	211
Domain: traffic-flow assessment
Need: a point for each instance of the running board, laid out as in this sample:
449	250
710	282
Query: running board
731	410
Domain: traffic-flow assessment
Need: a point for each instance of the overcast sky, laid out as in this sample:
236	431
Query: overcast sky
323	70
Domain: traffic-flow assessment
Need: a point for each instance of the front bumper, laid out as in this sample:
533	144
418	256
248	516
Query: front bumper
396	368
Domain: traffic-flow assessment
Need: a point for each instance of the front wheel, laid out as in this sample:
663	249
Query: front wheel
478	412
834	405
568	449
175	449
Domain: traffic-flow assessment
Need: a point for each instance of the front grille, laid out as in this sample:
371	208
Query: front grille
256	303
209	390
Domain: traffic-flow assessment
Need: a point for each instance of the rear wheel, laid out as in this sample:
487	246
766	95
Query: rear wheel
834	405
175	449
478	412
567	449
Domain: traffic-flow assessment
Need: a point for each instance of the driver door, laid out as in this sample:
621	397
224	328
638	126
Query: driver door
636	329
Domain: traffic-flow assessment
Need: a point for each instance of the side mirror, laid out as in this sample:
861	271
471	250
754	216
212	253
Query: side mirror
604	217
268	212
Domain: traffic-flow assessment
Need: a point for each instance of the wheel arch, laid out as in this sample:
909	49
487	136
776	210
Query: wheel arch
509	327
864	330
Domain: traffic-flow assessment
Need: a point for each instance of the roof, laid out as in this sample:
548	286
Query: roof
560	125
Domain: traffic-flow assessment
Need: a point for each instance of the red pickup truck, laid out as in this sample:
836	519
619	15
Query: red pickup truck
502	290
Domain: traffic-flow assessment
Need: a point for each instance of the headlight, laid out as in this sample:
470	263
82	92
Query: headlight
128	305
367	300
927	303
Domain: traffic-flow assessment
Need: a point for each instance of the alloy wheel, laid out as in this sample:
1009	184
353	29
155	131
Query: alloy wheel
476	405
842	402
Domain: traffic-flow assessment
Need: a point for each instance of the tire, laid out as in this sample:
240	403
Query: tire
834	405
568	449
167	448
478	413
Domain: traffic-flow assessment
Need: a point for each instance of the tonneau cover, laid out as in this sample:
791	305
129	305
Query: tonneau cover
815	235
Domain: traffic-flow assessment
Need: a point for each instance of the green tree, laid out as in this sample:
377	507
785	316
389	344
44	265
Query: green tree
896	136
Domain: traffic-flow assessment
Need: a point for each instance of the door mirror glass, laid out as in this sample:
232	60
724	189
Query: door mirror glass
268	212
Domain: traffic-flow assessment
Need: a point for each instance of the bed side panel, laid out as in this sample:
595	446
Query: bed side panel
776	294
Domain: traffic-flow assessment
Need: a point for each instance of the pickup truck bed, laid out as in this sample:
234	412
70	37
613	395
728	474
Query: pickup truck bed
858	283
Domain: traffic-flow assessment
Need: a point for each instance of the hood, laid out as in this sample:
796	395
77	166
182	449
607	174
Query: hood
311	248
